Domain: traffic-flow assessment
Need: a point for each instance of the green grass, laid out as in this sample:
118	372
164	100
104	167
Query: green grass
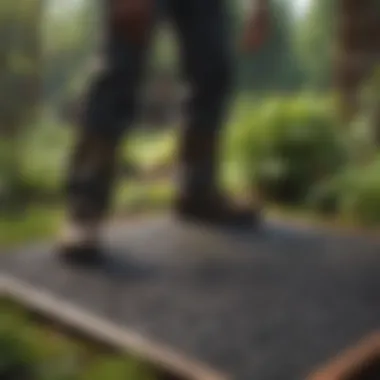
45	354
151	150
33	224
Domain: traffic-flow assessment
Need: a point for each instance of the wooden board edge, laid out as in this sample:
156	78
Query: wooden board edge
121	339
349	360
335	228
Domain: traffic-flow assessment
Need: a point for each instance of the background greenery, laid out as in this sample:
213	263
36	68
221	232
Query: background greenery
283	137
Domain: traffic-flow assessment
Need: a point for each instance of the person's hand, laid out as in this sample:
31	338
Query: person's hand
257	30
132	18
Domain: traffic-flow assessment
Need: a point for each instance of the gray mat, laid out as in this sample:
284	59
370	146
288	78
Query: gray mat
256	306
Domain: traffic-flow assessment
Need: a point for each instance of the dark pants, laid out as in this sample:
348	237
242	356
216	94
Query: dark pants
111	103
201	29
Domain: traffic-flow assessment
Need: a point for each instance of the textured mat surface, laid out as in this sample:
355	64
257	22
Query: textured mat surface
264	306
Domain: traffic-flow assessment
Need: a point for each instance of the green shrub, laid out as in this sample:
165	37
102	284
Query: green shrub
324	197
354	194
359	197
288	145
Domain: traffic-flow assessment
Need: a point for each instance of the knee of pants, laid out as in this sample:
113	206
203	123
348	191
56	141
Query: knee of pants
111	103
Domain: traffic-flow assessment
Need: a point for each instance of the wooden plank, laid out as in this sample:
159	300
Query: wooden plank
361	362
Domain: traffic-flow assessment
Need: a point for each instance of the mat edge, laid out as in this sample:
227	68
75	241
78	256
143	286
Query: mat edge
349	359
123	339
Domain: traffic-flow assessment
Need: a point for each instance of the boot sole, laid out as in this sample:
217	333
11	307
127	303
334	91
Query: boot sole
250	221
81	256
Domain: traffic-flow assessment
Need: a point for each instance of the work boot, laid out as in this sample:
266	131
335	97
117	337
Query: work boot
199	198
91	176
215	209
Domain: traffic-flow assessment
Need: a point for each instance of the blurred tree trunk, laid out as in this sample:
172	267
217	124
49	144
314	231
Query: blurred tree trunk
358	50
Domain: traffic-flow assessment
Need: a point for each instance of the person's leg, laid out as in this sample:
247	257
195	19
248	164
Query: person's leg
203	34
108	111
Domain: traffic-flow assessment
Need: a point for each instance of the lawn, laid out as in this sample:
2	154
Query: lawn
32	351
34	224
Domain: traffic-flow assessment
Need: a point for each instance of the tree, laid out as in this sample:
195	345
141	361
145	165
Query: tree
316	43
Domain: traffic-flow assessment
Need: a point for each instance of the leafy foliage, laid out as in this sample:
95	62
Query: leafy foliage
288	146
353	194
